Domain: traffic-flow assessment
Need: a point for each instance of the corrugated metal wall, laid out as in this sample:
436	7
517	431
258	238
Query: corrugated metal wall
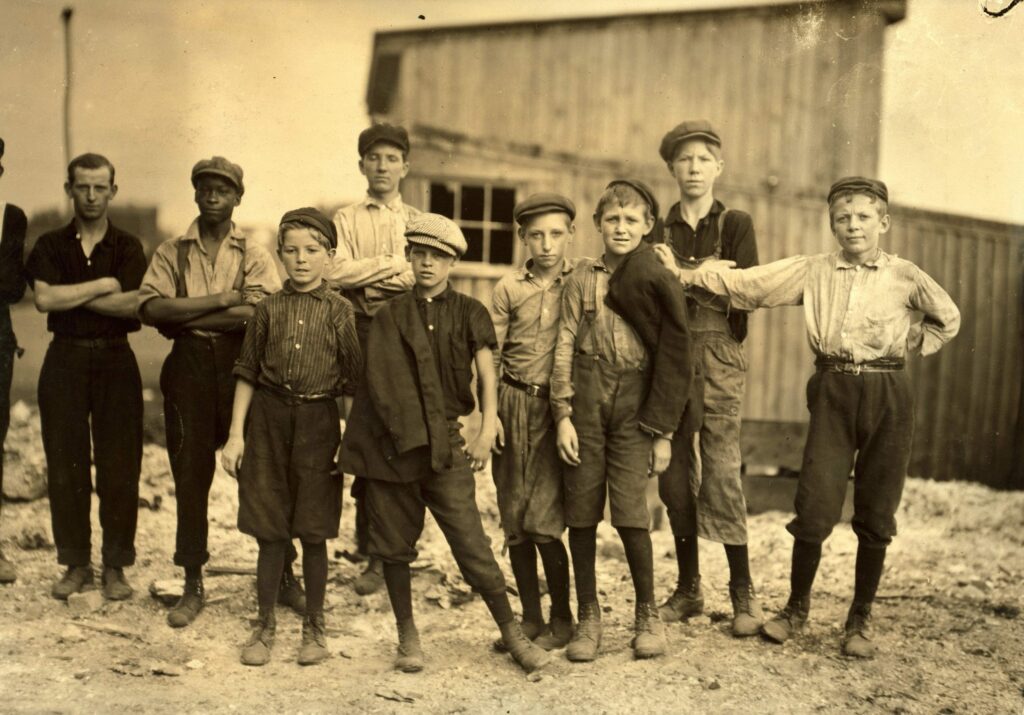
967	395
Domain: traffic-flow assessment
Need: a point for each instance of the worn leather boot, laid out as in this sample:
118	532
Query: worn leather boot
115	585
787	622
747	615
525	652
531	629
7	572
370	580
314	640
409	654
649	638
290	593
256	650
556	635
192	600
74	580
857	641
685	602
585	643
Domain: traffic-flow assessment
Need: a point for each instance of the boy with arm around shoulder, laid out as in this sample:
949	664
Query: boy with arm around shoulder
526	468
859	304
298	352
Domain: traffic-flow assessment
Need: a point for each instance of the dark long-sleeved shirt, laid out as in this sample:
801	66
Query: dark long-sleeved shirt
303	343
12	253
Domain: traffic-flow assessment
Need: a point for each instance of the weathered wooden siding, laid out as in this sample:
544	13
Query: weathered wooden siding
967	395
794	89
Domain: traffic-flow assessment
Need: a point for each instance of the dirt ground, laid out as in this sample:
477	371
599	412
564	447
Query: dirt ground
948	622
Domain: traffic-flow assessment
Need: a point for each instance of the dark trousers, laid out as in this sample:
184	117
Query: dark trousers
101	386
8	347
359	482
199	390
870	415
396	512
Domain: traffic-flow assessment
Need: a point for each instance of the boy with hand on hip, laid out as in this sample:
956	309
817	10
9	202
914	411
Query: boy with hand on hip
299	349
860	305
527	472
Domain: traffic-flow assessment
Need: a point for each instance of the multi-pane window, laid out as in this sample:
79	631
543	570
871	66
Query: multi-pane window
484	213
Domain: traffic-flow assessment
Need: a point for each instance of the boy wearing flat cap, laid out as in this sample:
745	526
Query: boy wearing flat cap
404	434
707	500
614	408
860	305
299	349
526	469
371	267
201	289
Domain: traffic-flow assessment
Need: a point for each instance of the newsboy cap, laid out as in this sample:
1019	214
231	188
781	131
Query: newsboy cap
218	166
383	133
437	232
691	129
858	185
311	218
543	203
641	188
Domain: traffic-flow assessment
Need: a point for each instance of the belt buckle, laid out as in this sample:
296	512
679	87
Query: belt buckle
850	368
533	390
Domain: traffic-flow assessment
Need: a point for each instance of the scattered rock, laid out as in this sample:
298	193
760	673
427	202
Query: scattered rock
712	685
168	669
71	634
129	667
32	538
152	502
535	677
972	593
84	603
194	664
167	591
82	674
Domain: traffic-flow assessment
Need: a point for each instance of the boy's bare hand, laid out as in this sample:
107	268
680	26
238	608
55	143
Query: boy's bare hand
661	455
499	437
231	455
715	265
479	451
568	442
664	254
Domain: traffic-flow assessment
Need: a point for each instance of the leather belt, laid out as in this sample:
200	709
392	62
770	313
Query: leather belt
542	391
91	342
848	367
294	398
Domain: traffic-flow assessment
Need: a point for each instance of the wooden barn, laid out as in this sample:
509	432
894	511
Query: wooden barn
497	112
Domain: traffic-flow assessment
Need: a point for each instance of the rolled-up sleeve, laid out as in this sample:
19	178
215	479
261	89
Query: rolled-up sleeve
562	390
261	277
941	316
159	280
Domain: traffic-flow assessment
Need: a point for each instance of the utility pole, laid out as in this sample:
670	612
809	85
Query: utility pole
65	16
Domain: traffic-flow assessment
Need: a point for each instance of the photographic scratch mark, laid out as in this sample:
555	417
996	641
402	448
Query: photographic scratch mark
998	13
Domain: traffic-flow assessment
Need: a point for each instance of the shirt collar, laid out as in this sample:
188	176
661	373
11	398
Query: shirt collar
71	232
443	296
675	215
235	234
879	261
525	272
394	204
320	292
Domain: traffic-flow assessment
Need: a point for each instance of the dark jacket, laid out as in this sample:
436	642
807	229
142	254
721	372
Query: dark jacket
651	300
12	255
397	431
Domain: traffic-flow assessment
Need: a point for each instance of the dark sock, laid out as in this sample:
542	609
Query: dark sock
269	567
314	571
806	557
640	556
193	573
583	545
500	608
870	562
289	559
739	565
688	559
524	567
399	583
556	571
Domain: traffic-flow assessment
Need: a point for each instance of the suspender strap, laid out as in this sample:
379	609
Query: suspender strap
589	305
240	276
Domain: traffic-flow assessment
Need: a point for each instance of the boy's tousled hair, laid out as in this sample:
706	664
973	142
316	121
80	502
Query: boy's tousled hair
525	224
621	195
317	235
843	196
89	161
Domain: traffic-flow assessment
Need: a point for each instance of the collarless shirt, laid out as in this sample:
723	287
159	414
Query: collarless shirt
304	343
610	338
457	327
525	311
852	312
369	263
58	259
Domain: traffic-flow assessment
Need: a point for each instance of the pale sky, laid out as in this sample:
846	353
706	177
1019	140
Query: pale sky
278	86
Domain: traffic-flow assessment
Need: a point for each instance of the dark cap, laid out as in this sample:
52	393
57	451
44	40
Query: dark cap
438	232
311	218
219	166
543	203
641	188
858	185
691	129
383	133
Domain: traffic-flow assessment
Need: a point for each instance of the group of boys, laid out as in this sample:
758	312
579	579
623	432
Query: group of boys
592	376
